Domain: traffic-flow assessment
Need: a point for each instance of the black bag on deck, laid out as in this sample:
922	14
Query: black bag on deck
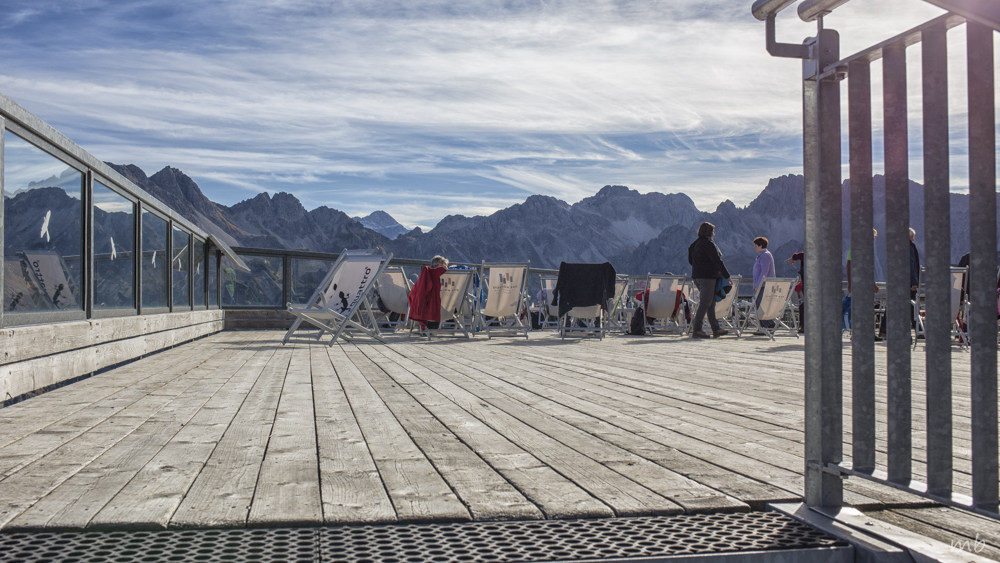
638	325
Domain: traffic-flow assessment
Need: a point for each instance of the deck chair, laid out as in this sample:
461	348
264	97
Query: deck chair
958	308
585	319
665	304
774	306
393	289
506	302
457	309
340	306
726	310
618	315
548	308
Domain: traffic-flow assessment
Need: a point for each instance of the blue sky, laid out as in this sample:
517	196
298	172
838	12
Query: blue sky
429	108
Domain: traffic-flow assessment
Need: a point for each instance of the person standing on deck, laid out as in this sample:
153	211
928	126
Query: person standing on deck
706	269
800	257
763	268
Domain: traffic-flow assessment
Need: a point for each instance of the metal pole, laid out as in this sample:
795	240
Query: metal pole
137	257
3	128
937	260
87	254
862	263
897	244
169	263
982	265
821	164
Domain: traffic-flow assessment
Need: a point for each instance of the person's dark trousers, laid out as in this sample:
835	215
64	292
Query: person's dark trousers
760	295
706	303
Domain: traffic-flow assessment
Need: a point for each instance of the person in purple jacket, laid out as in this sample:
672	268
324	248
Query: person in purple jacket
763	268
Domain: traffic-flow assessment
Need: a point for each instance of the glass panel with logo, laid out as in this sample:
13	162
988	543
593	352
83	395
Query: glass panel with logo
43	232
114	244
180	267
261	287
155	261
198	275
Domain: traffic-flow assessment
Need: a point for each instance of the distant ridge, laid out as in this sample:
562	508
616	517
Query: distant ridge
637	233
383	223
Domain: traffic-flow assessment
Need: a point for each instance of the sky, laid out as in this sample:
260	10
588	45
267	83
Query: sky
426	108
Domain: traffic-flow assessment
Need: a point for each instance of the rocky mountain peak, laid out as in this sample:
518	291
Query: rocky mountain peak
381	222
615	191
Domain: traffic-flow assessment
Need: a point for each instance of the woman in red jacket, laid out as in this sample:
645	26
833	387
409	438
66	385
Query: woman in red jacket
425	297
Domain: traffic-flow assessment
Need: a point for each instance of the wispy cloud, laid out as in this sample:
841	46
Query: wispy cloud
427	107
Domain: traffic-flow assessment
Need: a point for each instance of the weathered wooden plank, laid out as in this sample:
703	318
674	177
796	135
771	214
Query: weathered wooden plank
416	489
222	492
350	486
624	495
23	488
26	342
555	495
151	498
288	490
486	493
961	544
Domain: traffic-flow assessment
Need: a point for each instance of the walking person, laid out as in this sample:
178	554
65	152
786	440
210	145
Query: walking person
706	269
763	268
800	257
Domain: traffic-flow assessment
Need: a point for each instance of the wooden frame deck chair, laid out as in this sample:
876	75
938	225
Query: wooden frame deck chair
958	308
774	304
506	302
665	305
457	307
548	307
393	289
340	306
577	284
618	315
726	310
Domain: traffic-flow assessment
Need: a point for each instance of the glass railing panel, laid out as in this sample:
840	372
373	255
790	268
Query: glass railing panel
198	275
114	245
261	287
155	261
180	266
213	286
306	276
43	234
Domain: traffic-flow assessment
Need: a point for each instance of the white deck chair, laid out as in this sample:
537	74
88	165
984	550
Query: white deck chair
957	307
547	307
340	305
726	311
774	305
660	304
393	289
504	285
583	321
457	310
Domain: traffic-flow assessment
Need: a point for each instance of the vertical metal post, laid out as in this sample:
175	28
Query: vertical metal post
862	263
897	245
286	279
168	260
3	128
137	257
983	265
937	260
87	254
821	163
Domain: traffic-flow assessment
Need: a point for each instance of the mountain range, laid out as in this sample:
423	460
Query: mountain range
638	233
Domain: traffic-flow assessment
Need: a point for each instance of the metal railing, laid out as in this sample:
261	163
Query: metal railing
823	72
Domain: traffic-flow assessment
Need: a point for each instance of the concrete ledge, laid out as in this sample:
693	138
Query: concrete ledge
35	357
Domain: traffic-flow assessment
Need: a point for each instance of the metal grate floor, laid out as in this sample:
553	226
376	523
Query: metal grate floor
477	542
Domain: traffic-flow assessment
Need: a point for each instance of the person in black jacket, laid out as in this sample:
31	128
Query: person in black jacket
706	268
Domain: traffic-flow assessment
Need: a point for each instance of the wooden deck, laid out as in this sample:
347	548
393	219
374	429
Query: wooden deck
236	430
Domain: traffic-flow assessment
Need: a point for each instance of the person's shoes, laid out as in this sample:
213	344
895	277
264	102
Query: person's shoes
720	332
802	330
699	334
879	338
